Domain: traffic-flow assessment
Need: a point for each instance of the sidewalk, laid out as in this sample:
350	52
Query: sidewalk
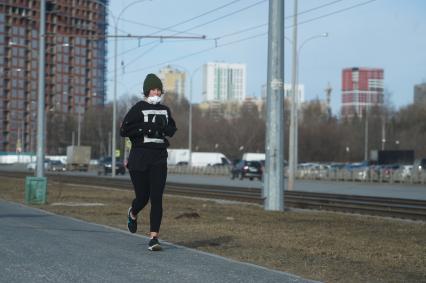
37	246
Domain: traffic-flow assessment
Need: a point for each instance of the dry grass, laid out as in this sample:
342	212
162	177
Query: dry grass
331	247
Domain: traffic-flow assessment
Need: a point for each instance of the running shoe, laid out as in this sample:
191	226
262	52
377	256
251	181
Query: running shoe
154	245
132	224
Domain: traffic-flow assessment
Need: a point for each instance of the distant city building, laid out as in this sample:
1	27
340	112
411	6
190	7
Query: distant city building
217	110
75	64
420	94
224	82
287	92
173	80
362	88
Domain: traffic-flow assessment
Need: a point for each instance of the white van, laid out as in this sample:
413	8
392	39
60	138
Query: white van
177	156
209	159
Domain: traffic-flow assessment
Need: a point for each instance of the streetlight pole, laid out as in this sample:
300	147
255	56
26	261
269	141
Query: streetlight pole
190	117
296	131
40	142
79	127
190	110
366	135
293	139
114	101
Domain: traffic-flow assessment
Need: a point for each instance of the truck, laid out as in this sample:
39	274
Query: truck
78	158
385	157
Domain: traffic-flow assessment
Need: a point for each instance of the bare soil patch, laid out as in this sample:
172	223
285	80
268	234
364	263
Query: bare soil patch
330	247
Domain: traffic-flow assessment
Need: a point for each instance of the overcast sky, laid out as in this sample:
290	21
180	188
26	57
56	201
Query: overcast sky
388	34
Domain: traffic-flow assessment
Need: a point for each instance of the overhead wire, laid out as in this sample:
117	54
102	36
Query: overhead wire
183	22
233	13
197	26
251	37
286	18
154	27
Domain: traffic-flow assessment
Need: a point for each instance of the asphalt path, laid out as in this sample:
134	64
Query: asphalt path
406	191
37	246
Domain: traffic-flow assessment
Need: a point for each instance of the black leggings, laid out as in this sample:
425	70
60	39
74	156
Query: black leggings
149	185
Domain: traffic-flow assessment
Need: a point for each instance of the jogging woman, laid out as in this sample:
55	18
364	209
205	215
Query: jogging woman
147	124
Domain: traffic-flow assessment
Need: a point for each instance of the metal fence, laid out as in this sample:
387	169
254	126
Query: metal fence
355	175
364	175
200	170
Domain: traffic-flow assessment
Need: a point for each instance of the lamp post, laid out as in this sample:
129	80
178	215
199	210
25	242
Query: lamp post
41	93
293	139
366	134
190	110
190	117
114	101
296	136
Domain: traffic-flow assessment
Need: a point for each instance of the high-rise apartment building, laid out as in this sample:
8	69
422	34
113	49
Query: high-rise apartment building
420	94
173	80
362	88
224	82
75	64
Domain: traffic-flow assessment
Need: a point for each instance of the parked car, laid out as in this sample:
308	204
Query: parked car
388	170
420	165
247	169
406	171
106	163
32	165
56	166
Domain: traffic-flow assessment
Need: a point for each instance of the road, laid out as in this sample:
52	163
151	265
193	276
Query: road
350	188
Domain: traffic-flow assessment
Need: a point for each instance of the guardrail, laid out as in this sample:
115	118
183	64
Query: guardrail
355	175
198	170
363	175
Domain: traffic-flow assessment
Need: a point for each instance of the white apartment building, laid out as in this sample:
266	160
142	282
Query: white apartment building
224	82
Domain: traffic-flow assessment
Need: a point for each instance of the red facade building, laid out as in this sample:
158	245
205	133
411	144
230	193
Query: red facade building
362	88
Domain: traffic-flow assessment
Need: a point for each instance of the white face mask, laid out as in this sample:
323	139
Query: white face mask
154	99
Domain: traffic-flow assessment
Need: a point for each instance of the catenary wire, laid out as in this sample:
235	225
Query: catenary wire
238	32
252	37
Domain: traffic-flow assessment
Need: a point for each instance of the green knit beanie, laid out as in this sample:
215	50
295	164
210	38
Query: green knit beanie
151	82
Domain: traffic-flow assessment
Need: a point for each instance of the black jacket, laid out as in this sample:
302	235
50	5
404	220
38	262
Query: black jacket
147	125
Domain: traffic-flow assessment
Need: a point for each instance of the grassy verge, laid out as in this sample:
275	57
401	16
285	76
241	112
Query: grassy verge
331	247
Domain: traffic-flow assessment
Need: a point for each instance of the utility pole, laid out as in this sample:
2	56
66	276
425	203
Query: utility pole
79	127
293	119
366	135
40	106
383	132
274	177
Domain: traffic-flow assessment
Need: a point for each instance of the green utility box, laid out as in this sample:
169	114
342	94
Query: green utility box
35	190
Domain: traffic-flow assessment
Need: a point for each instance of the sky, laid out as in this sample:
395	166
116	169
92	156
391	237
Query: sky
388	34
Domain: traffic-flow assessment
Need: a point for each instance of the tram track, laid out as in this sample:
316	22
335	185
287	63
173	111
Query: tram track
378	206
